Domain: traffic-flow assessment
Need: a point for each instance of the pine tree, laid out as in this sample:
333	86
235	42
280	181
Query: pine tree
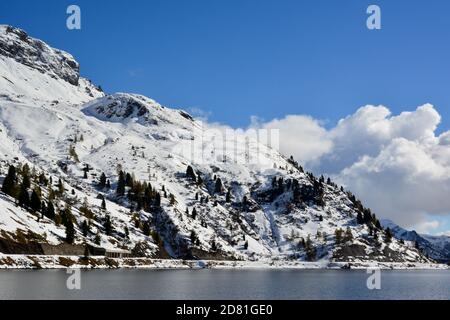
24	170
42	180
348	235
146	229
51	194
43	210
172	200
274	182
246	245
120	191
244	201
66	215
218	187
191	174
103	203
129	181
378	224
70	231
193	237
26	183
228	196
24	197
301	243
194	213
60	187
85	228
35	201
57	220
73	154
213	245
338	235
50	212
108	225
102	182
9	184
158	200
84	209
367	216
98	239
388	237
359	218
310	249
199	180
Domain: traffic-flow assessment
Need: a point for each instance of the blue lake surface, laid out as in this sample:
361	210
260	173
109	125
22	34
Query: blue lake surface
224	284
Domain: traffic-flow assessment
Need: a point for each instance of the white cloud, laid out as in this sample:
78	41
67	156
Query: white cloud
199	113
427	227
300	136
397	165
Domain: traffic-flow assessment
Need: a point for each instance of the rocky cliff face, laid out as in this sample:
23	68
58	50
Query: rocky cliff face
16	44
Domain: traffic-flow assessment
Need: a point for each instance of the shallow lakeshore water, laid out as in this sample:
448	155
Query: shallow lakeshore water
224	284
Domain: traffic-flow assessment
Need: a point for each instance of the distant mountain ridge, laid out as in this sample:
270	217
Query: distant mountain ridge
436	247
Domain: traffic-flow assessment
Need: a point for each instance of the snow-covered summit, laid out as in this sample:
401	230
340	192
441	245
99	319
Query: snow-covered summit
32	72
125	107
17	44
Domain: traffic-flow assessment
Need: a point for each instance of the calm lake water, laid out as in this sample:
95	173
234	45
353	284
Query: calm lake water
224	284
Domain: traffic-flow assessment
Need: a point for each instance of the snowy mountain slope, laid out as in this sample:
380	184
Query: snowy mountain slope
239	200
31	71
441	243
436	247
34	53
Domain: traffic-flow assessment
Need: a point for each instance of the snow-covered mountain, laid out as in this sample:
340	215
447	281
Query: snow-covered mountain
436	247
129	173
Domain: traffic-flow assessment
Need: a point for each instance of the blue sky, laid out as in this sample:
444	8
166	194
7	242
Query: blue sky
236	58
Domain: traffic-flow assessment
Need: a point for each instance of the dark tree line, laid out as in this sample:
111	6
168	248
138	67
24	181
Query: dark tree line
141	194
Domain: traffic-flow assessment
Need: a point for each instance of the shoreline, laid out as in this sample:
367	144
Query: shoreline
27	262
